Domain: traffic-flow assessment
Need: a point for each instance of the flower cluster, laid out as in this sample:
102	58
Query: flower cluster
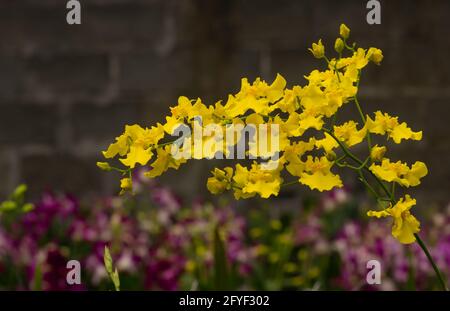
309	141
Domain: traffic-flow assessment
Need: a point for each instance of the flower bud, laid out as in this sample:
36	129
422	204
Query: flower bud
377	153
104	166
339	45
344	31
126	185
331	156
318	50
375	55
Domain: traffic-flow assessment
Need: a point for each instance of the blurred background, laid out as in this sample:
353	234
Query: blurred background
67	91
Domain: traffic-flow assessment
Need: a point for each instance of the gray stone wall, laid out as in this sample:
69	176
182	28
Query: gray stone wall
67	91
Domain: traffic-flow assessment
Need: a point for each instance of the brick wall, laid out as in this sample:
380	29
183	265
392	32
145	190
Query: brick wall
67	91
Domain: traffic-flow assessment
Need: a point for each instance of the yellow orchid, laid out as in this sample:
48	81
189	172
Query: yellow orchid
163	162
375	55
405	224
302	121
377	153
220	181
317	174
399	172
291	100
328	143
120	147
183	108
256	181
385	124
293	153
349	134
122	144
137	154
256	96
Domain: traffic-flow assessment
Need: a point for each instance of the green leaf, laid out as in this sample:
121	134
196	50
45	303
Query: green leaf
28	207
19	192
114	276
37	278
107	260
221	269
116	280
8	206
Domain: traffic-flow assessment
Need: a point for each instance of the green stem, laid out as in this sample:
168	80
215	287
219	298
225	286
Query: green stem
368	186
358	168
358	106
351	48
430	259
361	114
118	170
340	158
333	120
357	160
289	183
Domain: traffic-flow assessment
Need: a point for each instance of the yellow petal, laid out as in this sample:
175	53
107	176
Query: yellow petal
377	153
321	181
162	162
378	214
402	131
328	143
264	189
418	170
276	88
136	155
172	123
405	227
119	147
383	172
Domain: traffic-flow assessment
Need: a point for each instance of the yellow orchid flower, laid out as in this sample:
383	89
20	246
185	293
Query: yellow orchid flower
137	154
257	180
317	174
399	172
163	162
349	134
385	124
125	185
405	224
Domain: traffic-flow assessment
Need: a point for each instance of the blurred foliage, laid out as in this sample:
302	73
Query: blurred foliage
155	241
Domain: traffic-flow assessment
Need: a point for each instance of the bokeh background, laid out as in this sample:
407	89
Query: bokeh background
67	91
